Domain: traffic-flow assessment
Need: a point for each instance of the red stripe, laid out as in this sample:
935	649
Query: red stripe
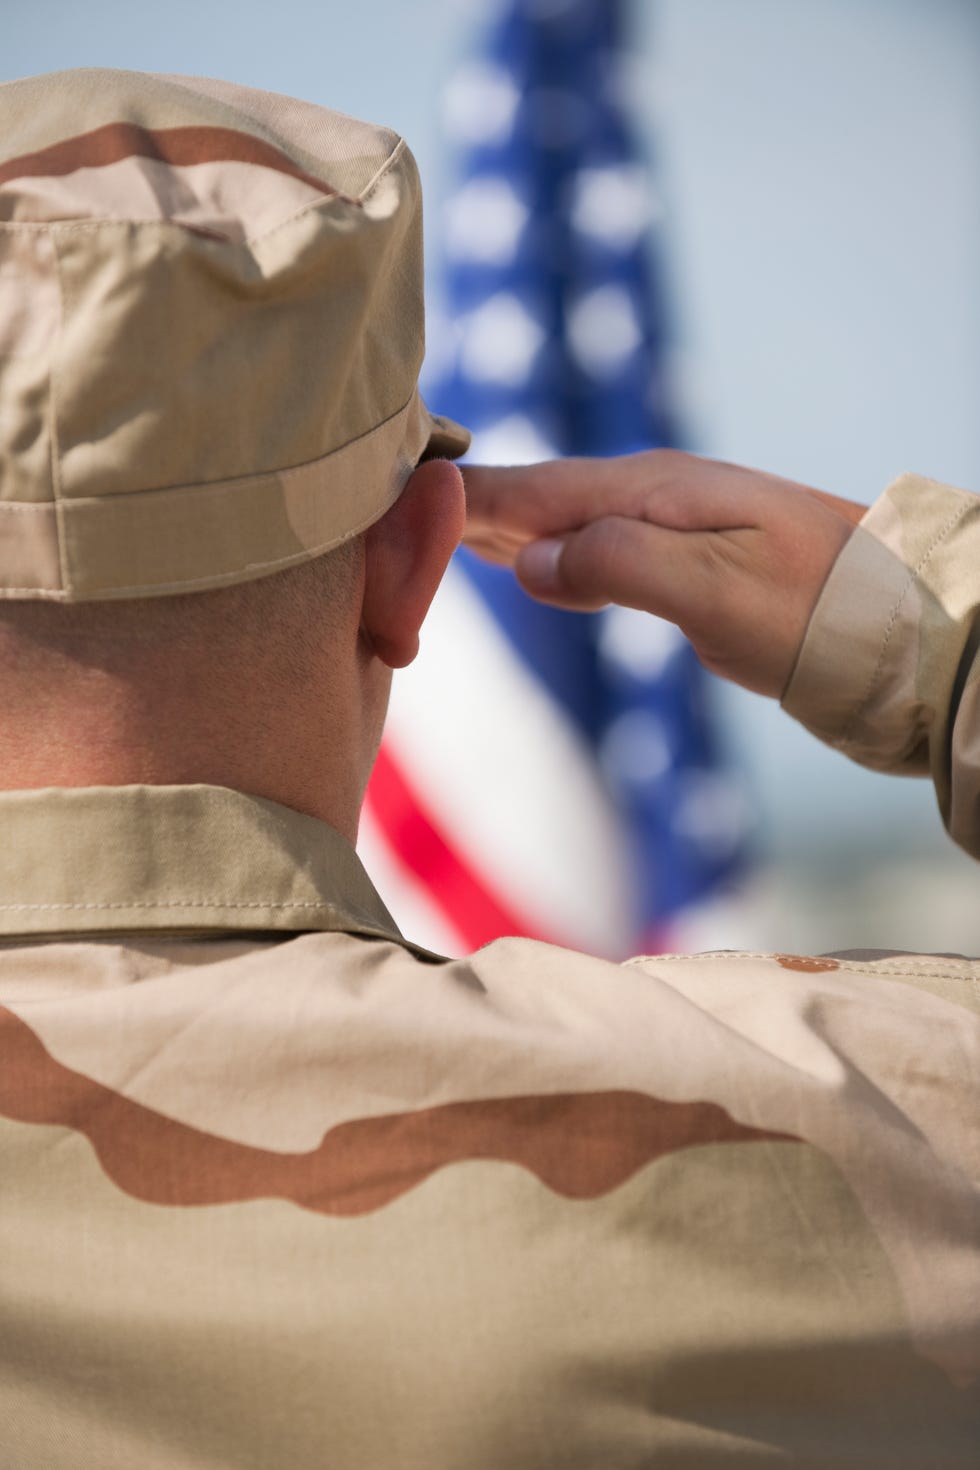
465	897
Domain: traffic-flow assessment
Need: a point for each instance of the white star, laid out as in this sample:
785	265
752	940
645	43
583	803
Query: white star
515	439
481	102
613	204
500	341
637	643
603	331
712	811
635	750
484	221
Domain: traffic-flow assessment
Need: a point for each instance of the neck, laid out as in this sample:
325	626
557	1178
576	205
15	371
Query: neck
267	687
304	751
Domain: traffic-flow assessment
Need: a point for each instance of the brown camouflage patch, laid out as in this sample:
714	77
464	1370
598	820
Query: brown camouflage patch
808	964
179	147
580	1145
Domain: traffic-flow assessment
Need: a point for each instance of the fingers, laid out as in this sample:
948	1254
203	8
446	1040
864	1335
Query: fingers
743	596
506	508
735	557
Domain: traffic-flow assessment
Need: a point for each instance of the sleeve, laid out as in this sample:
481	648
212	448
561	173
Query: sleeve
889	669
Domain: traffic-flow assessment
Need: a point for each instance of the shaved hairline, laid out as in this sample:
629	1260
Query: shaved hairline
295	606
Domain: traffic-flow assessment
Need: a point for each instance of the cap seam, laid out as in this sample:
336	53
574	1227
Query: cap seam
173	79
71	225
55	447
27	506
237	481
381	170
79	226
863	967
102	222
302	209
178	903
357	201
308	553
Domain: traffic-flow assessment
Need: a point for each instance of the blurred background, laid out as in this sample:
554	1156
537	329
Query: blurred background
815	213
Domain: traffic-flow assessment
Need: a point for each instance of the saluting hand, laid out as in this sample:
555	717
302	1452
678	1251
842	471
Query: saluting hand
734	557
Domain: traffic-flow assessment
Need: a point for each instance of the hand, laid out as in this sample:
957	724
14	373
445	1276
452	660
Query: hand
734	557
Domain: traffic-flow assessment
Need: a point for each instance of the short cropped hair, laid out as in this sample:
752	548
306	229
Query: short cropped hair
289	612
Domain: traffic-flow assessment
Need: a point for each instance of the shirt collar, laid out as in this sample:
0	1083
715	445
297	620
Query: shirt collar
182	859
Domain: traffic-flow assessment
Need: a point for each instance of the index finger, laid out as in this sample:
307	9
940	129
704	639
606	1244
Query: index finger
507	507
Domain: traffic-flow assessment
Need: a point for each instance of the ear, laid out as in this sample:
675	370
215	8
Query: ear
406	553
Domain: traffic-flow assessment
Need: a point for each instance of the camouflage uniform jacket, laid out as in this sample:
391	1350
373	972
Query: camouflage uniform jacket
280	1190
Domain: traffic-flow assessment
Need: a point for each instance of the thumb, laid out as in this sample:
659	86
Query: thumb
619	559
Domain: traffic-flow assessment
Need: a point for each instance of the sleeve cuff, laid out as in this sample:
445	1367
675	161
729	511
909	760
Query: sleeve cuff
872	671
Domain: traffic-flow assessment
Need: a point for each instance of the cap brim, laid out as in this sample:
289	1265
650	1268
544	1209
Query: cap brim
447	439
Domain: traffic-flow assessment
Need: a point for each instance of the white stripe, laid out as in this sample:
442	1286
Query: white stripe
507	775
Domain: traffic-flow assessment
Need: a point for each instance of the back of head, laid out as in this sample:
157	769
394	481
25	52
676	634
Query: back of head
211	329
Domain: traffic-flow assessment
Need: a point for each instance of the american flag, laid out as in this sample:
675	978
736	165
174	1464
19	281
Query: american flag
547	773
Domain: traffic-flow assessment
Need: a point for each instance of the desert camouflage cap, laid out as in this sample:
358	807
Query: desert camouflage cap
211	329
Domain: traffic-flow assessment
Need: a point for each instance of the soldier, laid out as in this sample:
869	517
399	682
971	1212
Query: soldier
282	1189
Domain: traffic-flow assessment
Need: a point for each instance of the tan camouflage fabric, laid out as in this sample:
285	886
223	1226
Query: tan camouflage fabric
899	690
211	329
282	1190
